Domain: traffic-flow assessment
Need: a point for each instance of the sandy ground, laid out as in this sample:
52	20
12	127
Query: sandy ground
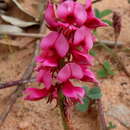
38	115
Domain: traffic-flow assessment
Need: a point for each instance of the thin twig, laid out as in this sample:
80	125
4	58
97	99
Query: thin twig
95	1
103	125
14	83
109	43
116	58
27	75
35	35
18	91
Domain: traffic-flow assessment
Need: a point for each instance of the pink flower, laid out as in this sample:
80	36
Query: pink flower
72	12
84	38
44	76
50	16
56	41
92	21
82	58
48	58
73	92
89	76
70	70
34	94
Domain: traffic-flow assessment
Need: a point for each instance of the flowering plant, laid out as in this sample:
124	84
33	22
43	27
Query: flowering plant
65	51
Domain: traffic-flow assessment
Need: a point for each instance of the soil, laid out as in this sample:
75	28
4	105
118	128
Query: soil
39	115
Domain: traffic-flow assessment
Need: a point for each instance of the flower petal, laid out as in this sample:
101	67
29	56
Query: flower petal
50	16
88	39
61	45
89	9
64	74
80	13
82	58
49	40
76	71
65	9
50	62
34	94
44	76
89	76
72	91
94	22
79	35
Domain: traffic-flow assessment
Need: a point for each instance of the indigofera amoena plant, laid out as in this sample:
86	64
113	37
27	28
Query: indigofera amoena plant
65	52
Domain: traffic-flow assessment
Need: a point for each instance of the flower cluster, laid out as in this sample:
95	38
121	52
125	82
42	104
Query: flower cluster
65	51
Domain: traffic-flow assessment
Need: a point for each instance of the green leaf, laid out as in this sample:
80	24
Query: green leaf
110	72
83	107
107	65
111	126
97	13
92	52
105	13
102	73
107	21
86	89
94	93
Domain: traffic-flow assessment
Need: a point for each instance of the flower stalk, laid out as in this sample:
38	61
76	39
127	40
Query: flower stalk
62	111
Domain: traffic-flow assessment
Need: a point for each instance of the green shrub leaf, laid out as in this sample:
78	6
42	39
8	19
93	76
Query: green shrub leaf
94	93
83	107
102	73
105	13
107	21
97	13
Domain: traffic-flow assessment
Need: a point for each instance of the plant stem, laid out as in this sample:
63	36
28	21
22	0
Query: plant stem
63	111
14	83
103	125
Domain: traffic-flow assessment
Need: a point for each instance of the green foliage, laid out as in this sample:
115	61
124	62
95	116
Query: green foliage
105	71
111	126
97	13
83	107
92	52
91	94
94	93
107	21
102	14
105	13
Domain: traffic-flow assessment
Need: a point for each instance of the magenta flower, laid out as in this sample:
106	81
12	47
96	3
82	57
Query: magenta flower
53	41
82	58
50	16
48	58
74	92
72	12
44	76
84	38
92	21
70	70
64	52
34	94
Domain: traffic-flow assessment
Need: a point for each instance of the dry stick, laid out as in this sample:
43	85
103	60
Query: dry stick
35	35
116	58
27	75
14	83
18	91
103	125
95	1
